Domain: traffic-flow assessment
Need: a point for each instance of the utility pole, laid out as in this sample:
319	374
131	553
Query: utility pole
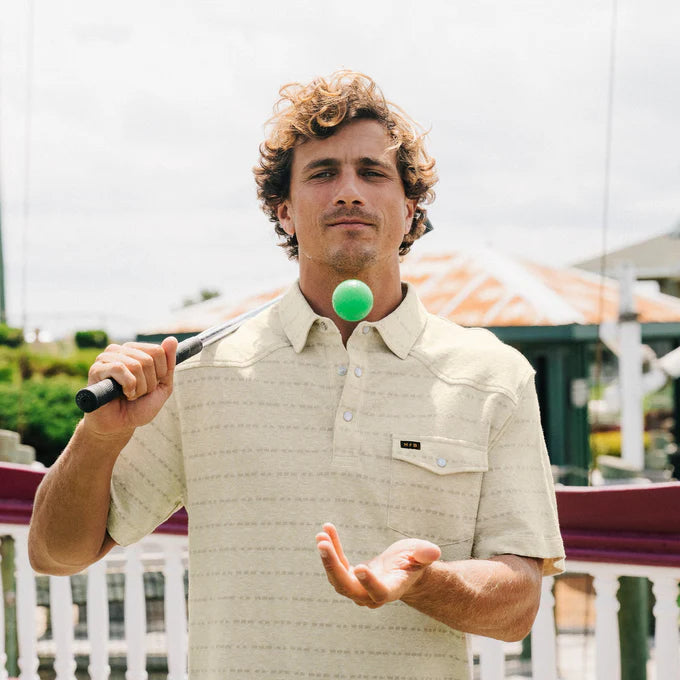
3	308
633	591
630	372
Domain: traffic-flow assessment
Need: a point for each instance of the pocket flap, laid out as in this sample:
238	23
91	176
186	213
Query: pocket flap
440	455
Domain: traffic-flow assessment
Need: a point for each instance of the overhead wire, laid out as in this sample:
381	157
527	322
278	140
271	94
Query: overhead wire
3	309
606	200
28	120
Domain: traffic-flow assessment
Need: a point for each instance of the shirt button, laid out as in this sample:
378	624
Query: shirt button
342	370
358	372
366	329
441	462
347	415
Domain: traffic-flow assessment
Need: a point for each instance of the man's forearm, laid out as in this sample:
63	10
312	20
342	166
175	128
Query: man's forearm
68	527
496	598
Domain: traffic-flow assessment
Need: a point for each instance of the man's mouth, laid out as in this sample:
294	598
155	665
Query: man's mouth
351	223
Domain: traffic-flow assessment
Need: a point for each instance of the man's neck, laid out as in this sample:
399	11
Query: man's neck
318	287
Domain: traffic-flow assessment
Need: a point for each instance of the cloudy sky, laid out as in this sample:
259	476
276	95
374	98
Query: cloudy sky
125	158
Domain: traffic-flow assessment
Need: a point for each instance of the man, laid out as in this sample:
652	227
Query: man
418	439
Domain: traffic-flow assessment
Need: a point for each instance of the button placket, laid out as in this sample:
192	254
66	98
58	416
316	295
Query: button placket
347	435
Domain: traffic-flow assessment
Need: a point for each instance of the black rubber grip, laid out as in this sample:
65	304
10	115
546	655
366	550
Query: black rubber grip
91	398
187	348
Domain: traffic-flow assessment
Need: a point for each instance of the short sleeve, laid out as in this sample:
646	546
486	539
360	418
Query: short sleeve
517	508
147	485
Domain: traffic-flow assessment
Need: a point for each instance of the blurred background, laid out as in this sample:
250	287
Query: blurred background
128	132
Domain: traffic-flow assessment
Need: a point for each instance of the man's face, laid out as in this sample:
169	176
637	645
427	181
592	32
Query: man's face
346	201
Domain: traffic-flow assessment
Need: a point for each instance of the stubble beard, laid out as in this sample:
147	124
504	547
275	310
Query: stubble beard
352	258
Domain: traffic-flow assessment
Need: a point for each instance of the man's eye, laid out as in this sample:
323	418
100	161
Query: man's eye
322	175
372	173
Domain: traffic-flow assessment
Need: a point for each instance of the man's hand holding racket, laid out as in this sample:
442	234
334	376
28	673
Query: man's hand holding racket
145	373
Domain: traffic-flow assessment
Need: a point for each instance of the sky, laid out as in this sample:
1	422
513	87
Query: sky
128	132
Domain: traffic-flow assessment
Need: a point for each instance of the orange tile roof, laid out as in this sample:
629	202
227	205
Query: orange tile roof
479	288
488	288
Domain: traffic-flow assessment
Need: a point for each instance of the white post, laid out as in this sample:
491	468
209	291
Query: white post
543	639
175	613
135	615
630	373
491	659
61	612
607	650
26	604
3	655
98	621
666	612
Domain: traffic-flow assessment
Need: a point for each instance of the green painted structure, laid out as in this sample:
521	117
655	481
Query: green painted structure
564	354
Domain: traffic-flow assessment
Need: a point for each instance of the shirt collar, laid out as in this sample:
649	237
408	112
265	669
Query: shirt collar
399	330
296	316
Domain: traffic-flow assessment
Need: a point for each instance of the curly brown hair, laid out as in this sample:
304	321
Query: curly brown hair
317	111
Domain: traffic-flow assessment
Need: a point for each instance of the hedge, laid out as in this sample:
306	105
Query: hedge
43	412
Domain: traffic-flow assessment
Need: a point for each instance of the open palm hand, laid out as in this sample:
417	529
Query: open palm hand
385	578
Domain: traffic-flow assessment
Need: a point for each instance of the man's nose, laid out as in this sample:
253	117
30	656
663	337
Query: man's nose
348	190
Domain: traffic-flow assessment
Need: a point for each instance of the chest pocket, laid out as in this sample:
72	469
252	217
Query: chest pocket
435	484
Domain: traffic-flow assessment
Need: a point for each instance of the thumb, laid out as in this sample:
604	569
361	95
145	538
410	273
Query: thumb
169	345
424	553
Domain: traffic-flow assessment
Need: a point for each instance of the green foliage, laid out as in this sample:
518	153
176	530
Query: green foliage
11	337
93	338
42	411
37	392
203	295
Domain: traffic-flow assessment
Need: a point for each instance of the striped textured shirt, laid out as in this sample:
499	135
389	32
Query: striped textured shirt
418	427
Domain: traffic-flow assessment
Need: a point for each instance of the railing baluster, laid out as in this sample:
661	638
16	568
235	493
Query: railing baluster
175	612
491	659
135	615
26	604
61	613
3	654
667	638
98	621
608	658
543	639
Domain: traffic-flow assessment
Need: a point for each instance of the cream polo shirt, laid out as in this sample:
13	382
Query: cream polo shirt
417	428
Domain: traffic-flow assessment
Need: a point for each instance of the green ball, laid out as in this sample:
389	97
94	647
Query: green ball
352	300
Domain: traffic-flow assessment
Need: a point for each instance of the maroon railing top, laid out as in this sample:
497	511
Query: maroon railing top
633	524
19	483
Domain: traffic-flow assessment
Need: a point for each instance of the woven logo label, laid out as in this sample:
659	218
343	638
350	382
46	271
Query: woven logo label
410	445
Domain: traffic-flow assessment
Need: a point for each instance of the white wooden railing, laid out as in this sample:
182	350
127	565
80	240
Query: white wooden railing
167	553
164	553
547	664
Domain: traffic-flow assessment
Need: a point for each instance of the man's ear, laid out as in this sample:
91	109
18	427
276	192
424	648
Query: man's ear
285	218
411	205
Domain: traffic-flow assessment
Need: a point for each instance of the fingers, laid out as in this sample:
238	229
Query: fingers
376	589
338	570
138	367
335	539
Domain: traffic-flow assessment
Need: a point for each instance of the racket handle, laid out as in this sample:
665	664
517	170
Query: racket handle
96	395
91	398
